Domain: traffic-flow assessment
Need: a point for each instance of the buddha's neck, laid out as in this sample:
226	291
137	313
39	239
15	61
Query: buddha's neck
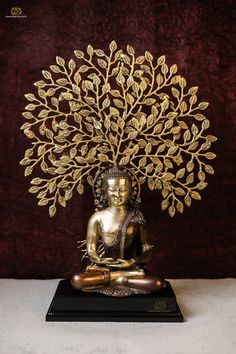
117	210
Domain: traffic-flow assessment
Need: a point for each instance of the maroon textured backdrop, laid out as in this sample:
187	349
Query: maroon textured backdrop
200	37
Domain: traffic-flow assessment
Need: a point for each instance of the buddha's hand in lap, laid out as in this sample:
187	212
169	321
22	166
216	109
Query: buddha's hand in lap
121	263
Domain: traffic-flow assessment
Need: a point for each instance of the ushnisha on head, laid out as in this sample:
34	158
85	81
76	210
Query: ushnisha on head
118	187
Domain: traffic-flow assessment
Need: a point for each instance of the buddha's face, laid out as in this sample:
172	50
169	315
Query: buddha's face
118	191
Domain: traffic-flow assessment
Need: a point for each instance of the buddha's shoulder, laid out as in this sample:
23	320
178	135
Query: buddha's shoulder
97	216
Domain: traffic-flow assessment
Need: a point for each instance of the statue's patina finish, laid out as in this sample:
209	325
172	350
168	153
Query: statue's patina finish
120	228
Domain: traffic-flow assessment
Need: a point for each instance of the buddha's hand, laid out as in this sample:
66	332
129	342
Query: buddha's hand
103	260
123	263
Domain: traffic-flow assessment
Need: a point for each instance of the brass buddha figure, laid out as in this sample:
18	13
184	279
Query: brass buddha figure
118	229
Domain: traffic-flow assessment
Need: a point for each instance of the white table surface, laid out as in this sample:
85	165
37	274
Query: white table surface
207	305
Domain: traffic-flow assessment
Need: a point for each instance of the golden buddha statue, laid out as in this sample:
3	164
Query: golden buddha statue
119	227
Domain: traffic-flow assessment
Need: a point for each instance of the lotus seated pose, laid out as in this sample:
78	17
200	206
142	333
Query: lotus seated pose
117	242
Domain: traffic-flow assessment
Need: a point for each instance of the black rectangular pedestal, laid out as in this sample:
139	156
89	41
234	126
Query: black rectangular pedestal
73	305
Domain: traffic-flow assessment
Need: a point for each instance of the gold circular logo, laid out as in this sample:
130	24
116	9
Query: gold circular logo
16	11
159	305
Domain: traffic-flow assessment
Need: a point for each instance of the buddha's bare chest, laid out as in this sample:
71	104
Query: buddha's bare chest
109	228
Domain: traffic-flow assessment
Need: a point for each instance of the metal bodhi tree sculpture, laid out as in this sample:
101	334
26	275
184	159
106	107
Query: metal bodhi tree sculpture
116	121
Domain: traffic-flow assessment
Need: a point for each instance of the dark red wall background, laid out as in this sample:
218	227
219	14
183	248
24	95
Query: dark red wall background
200	36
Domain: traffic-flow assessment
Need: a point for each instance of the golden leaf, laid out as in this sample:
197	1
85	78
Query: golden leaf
79	54
47	74
151	184
30	97
121	122
113	46
164	69
80	188
209	169
148	56
103	157
203	105
179	191
180	173
55	68
164	204
150	101
180	207
106	103
90	100
52	210
148	148
210	155
187	135
130	98
158	128
30	107
190	166
182	82
175	79
106	88
130	50
34	189
36	181
60	61
62	82
102	63
173	69
195	195
149	168
43	201
90	50
115	93
187	200
27	115
40	83
124	160
161	60
183	107
118	103
99	52
168	176
161	148
193	90
201	185
211	138
140	60
62	201
41	150
171	211
201	176
205	124
107	123
164	192
193	99
142	162
169	123
175	130
190	178
72	65
68	194
159	79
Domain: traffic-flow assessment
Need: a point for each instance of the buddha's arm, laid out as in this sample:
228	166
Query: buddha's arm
93	238
146	252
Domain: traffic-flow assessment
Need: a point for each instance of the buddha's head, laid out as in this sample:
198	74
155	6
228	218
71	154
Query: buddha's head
115	187
118	187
